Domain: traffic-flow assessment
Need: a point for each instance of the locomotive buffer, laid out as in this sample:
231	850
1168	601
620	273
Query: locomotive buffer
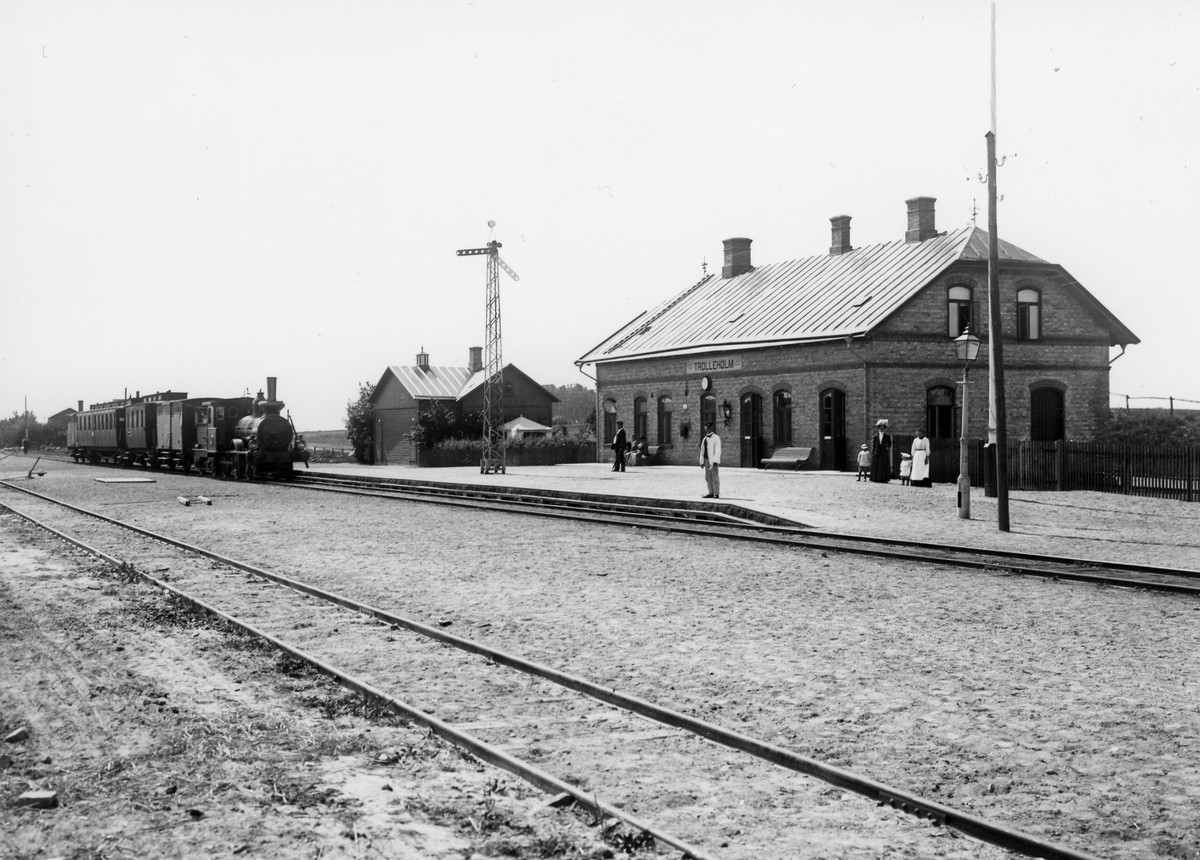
493	459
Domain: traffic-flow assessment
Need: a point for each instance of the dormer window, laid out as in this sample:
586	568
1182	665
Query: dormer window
1029	314
958	310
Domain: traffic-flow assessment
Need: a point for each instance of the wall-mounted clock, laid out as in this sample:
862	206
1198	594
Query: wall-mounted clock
705	383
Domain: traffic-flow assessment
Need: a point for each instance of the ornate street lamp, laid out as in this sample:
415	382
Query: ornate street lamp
966	346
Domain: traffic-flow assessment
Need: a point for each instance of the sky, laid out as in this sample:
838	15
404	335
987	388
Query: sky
196	196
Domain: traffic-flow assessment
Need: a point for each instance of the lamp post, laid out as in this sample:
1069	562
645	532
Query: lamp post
966	346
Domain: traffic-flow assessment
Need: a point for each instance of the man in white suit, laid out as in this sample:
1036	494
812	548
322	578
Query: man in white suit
710	460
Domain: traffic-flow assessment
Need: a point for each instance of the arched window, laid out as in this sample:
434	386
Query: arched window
958	311
610	420
782	409
641	418
939	412
664	420
1029	314
1047	416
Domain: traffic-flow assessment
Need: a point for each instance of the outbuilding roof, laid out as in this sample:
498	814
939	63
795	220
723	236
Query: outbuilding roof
812	299
434	383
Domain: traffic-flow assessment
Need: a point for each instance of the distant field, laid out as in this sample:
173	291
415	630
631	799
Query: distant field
325	438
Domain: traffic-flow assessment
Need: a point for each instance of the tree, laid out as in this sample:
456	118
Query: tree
1151	427
360	424
575	403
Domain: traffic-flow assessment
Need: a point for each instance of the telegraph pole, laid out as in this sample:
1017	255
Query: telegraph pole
995	336
493	459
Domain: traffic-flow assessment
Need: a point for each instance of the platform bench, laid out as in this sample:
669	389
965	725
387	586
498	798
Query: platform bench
788	458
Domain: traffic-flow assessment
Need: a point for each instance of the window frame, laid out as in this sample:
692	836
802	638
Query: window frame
1029	314
958	307
665	415
781	418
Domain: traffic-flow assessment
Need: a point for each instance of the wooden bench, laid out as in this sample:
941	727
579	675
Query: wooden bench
788	458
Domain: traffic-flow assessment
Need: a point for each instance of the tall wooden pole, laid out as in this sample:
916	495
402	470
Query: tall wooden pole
995	326
995	343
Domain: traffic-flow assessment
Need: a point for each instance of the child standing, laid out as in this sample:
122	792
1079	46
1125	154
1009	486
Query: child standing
864	464
905	469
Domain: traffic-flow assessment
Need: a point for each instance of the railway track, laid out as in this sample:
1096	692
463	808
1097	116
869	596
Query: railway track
733	522
376	652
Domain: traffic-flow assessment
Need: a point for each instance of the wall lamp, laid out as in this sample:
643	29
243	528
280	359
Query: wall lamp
727	411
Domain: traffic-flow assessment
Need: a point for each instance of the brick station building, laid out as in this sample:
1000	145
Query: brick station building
811	352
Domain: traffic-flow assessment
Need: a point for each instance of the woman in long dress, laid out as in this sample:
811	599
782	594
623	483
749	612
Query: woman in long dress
881	453
920	461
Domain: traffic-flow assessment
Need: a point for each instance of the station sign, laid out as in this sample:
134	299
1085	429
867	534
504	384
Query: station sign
713	365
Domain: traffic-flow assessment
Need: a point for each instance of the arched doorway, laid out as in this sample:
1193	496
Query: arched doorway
751	427
708	412
939	412
833	429
1046	415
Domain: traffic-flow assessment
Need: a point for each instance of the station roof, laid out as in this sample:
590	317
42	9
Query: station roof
813	299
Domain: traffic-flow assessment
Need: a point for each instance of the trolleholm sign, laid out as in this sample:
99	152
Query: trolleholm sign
713	365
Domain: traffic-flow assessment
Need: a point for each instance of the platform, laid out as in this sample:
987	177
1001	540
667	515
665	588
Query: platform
1080	524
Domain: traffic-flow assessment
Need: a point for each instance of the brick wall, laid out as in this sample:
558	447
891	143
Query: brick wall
887	374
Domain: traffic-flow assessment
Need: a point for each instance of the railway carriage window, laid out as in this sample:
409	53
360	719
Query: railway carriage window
220	413
958	311
1029	314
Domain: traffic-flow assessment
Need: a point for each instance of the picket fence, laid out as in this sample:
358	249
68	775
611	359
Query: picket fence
1160	471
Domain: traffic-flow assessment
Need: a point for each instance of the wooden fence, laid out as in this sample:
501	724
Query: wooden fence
1167	472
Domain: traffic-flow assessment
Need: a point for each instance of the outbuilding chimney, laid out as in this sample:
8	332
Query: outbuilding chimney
841	234
737	258
423	360
475	359
80	409
920	219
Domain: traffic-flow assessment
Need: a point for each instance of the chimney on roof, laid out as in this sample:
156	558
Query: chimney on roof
475	360
841	234
80	409
423	360
737	258
920	219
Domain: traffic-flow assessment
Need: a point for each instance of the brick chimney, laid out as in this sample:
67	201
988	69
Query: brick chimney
475	359
423	360
920	219
737	258
841	235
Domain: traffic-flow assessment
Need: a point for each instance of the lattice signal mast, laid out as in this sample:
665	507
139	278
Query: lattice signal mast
493	457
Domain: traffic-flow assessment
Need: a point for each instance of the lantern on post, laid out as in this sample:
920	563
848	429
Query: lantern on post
966	347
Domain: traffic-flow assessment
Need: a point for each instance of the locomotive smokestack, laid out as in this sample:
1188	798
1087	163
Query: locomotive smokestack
270	387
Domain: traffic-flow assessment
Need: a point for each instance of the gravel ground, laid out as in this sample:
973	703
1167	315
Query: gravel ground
1066	711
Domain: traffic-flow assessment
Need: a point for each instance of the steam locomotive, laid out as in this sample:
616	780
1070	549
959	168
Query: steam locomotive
234	437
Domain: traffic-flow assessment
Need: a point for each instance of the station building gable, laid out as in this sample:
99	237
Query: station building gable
809	353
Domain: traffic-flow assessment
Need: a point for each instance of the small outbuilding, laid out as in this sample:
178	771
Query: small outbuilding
403	392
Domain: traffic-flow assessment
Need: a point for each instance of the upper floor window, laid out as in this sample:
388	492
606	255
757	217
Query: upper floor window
782	409
664	420
1029	314
958	311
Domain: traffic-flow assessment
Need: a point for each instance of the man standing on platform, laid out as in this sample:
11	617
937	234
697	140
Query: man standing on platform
710	460
619	444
